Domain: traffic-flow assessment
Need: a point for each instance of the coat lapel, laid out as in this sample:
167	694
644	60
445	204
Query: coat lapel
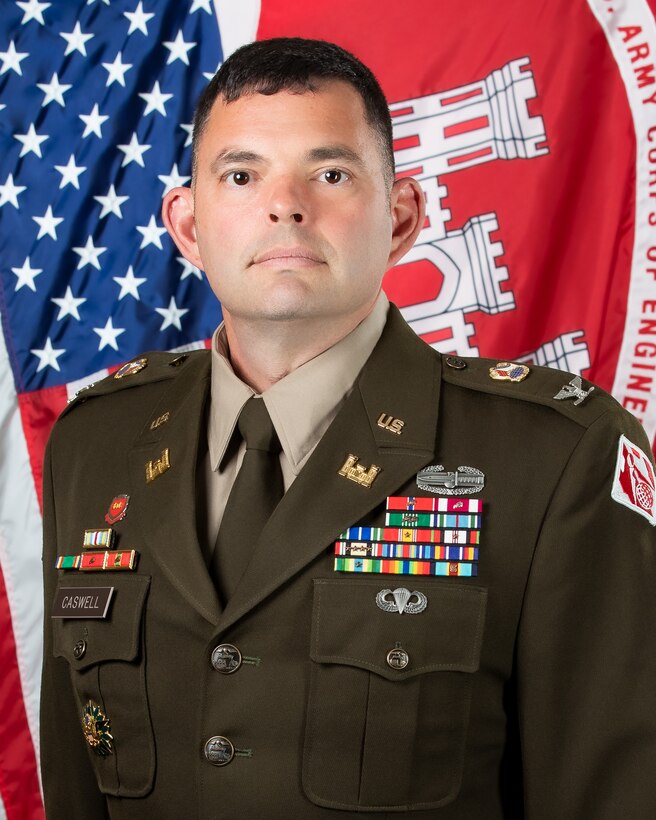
401	379
168	502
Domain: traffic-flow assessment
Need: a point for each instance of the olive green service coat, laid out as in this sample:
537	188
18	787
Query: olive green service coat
530	690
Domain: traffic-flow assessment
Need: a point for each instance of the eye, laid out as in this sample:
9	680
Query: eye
333	176
240	178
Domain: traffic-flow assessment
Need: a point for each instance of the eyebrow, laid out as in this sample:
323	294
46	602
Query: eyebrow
229	156
323	153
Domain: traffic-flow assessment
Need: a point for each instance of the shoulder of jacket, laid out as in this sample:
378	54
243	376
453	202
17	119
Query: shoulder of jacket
145	369
564	393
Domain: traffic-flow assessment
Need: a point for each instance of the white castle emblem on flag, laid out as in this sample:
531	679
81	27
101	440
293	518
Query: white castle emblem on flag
443	133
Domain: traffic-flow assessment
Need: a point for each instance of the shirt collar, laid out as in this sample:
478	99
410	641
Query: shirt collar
302	404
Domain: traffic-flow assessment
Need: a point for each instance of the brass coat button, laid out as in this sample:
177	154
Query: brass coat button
397	658
219	750
226	658
79	650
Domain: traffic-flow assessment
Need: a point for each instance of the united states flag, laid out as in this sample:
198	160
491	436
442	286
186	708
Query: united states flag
96	109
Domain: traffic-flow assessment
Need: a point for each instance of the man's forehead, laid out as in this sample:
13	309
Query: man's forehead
335	93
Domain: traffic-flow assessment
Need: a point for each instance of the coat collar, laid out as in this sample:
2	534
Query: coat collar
400	379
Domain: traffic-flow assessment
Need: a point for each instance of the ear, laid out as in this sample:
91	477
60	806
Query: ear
178	217
408	204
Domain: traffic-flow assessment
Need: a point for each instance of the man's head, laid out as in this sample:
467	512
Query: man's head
292	215
294	64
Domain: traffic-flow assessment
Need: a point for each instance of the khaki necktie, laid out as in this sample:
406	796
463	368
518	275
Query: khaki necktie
255	494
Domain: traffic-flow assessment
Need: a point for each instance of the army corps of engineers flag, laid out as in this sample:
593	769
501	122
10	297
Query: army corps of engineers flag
532	128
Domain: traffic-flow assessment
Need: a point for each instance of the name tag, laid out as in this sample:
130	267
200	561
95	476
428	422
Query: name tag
81	602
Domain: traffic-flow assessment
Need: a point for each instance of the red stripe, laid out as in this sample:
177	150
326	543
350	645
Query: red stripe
402	143
19	784
482	152
410	172
401	112
39	410
466	127
476	92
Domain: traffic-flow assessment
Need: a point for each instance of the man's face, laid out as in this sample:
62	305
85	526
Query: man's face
291	210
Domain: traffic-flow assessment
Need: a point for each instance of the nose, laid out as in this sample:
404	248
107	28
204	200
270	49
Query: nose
286	202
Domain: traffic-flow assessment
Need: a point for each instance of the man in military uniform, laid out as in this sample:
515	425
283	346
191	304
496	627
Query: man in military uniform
324	570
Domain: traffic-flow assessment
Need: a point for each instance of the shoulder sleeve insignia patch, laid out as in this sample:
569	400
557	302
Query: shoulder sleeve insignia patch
634	485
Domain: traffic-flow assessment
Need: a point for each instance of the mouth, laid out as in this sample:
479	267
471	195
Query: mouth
296	256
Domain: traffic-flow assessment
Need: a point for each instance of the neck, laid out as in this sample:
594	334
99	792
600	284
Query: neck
263	351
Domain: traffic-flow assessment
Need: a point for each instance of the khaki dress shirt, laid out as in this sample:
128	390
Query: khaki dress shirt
302	406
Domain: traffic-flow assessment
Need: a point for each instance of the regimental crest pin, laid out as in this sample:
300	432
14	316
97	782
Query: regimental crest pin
130	368
357	472
574	390
509	372
463	481
401	600
96	728
117	509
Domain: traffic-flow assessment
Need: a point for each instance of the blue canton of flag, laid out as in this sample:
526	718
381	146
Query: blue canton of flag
96	105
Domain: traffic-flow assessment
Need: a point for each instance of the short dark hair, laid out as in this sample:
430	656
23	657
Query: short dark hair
295	64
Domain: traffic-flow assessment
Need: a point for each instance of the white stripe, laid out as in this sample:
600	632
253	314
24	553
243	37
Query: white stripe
238	20
20	544
642	285
3	813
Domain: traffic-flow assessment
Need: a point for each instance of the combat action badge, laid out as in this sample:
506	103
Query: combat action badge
96	726
634	485
464	481
117	509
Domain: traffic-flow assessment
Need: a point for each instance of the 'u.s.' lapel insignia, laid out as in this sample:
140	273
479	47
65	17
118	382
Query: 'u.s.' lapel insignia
574	390
160	420
463	481
388	422
509	372
160	465
357	472
117	509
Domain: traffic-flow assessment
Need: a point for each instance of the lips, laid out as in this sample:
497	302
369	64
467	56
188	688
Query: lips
296	254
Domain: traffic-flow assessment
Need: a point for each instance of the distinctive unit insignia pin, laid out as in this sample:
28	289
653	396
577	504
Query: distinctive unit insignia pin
357	472
131	368
403	601
96	728
509	372
574	390
117	509
388	422
464	481
155	468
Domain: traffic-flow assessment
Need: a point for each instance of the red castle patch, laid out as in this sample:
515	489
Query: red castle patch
635	483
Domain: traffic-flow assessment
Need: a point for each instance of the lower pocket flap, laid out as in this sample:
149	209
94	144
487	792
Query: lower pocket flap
115	637
349	627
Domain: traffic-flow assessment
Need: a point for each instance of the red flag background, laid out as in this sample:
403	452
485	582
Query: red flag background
532	127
